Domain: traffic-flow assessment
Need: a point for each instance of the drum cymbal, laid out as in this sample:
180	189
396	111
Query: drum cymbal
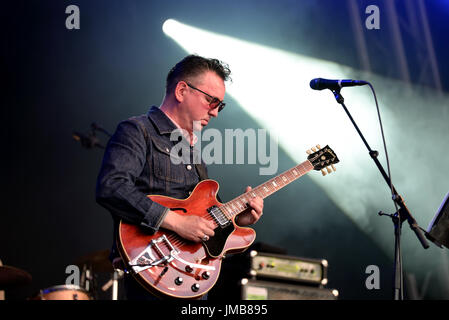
98	261
11	276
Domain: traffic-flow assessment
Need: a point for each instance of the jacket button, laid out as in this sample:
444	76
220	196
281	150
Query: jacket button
189	167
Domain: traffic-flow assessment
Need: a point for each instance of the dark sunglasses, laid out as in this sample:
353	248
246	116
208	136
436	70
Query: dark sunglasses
214	103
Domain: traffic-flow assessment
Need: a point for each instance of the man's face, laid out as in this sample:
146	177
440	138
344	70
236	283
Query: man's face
196	107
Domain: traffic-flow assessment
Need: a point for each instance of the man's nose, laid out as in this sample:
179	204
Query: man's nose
214	112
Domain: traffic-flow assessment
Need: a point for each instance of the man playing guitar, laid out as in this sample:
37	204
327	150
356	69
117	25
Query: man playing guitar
137	161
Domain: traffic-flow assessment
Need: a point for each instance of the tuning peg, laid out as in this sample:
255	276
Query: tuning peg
318	146
333	167
329	170
323	172
313	149
309	152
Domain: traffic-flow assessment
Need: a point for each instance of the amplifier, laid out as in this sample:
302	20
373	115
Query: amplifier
288	268
269	290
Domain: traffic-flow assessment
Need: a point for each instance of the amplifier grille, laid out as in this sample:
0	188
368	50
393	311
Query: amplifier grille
268	290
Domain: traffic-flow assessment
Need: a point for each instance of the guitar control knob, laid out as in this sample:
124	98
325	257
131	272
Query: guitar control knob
195	287
189	269
206	275
179	281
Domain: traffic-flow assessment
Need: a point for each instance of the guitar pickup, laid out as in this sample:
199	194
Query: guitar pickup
218	216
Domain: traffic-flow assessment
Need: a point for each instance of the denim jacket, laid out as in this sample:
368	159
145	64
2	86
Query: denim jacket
137	163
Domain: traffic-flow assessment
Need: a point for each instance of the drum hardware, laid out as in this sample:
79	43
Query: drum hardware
116	276
86	278
97	261
63	292
93	264
96	266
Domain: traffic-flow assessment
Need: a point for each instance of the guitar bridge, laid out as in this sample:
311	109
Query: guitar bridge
154	255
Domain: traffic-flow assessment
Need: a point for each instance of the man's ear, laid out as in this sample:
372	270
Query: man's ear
180	91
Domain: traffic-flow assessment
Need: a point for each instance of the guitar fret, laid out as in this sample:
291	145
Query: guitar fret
231	212
239	204
282	180
293	175
228	212
277	182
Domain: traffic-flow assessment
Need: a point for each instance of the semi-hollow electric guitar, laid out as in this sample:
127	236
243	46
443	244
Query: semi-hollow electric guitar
168	265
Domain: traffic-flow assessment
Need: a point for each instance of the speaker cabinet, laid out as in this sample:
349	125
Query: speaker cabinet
269	290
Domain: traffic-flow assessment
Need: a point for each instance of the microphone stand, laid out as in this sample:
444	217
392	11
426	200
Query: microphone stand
90	141
398	217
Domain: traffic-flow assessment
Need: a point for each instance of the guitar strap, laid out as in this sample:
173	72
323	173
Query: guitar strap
201	170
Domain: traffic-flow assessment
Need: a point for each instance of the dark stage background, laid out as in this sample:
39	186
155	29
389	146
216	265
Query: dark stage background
56	81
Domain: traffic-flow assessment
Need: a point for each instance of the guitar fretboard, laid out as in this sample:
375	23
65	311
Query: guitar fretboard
239	204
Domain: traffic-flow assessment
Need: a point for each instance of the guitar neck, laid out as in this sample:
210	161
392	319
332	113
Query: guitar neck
239	204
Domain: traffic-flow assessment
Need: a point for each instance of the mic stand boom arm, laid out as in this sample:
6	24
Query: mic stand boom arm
400	216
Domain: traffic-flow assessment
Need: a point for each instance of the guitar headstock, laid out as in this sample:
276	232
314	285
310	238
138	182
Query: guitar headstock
322	158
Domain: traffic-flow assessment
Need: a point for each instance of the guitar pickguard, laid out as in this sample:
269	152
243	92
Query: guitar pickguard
215	245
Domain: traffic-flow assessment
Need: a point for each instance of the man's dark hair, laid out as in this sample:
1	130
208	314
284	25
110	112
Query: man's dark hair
192	66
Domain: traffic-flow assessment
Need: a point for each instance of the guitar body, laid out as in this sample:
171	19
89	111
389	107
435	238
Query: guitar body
191	268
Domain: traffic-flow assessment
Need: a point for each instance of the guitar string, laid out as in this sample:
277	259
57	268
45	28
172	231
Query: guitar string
177	241
258	190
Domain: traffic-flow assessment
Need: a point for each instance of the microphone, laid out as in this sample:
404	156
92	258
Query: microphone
96	126
87	142
320	84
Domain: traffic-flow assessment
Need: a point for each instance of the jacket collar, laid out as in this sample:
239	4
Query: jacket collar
160	121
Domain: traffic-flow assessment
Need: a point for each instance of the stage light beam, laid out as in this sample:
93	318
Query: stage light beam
272	87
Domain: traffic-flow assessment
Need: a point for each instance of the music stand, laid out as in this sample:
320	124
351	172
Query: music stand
438	229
